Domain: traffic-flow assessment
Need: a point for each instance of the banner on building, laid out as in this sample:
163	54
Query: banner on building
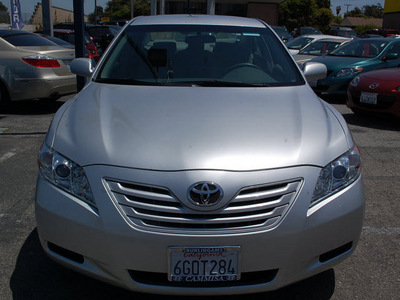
16	15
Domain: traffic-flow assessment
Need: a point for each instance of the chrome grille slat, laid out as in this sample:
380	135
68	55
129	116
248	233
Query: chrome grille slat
265	204
152	207
191	219
242	197
118	188
158	208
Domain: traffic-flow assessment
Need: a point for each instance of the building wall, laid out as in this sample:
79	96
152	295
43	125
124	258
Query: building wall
263	11
266	10
59	15
391	17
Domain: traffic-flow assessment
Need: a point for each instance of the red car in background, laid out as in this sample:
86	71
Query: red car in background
69	36
376	91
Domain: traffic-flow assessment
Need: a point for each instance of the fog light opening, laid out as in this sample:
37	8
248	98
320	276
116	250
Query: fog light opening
335	252
68	254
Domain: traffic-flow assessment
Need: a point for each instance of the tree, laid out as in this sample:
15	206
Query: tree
323	18
356	12
374	11
297	13
324	3
99	13
4	14
121	9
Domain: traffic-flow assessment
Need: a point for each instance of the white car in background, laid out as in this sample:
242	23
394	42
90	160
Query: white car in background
32	67
319	47
302	41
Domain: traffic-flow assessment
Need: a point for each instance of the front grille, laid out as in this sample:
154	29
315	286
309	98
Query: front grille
161	279
384	102
158	208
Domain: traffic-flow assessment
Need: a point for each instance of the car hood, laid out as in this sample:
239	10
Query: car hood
186	128
384	75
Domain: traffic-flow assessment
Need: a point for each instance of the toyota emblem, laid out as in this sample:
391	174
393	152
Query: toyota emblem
205	193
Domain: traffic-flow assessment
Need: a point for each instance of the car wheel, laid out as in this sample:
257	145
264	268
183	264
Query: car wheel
4	96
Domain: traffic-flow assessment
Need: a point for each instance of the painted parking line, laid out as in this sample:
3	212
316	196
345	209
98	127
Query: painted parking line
6	156
382	230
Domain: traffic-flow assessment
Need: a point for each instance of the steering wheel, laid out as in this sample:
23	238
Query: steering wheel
242	65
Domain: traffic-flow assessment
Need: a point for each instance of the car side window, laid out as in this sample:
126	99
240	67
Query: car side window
394	49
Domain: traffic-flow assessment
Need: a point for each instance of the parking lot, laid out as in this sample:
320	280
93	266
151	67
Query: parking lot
373	272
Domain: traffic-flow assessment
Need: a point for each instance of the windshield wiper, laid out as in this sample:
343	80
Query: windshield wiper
217	83
125	81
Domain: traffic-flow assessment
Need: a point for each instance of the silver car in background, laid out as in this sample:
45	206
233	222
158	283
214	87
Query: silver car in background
32	67
197	161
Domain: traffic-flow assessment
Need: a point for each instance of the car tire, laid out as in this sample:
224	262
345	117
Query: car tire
4	96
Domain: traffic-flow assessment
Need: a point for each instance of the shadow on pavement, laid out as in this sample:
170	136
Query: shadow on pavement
37	277
381	122
32	107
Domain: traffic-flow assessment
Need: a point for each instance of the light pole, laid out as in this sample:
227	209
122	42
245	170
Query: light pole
95	12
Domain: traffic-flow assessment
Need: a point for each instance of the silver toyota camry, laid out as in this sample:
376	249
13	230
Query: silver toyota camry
197	160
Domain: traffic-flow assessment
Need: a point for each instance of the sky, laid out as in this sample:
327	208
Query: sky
27	6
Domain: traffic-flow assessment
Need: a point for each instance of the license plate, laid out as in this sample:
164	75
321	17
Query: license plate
202	264
370	98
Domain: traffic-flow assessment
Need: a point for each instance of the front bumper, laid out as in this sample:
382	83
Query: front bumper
387	103
333	86
102	242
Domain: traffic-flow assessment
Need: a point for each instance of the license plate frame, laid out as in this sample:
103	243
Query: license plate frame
369	98
204	264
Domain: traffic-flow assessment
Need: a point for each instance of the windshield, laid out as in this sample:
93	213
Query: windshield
201	55
280	31
299	42
361	48
27	39
310	30
319	48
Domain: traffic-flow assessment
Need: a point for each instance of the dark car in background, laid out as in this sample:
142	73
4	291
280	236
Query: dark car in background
305	31
102	35
283	33
343	31
376	92
69	36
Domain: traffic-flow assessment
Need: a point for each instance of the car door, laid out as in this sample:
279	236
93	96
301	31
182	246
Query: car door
392	55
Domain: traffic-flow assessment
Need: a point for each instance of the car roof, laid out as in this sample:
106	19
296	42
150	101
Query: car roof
340	39
196	20
6	32
62	30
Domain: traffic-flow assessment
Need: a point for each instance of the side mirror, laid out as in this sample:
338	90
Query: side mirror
293	51
390	56
314	71
82	67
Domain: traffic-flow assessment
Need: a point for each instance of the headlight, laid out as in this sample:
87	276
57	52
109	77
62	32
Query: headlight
338	174
355	81
347	71
65	174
